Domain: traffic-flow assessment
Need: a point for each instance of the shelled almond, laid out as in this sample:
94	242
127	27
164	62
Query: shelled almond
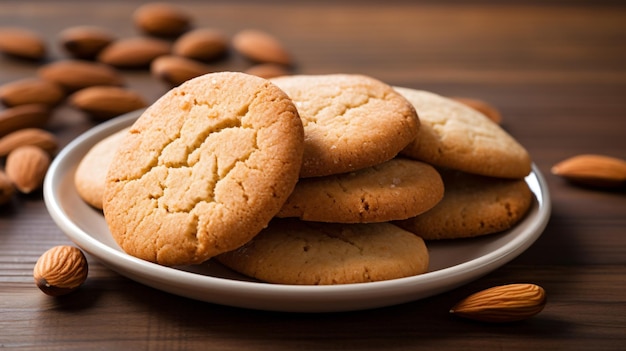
23	116
262	47
161	19
78	74
136	52
593	170
31	91
26	167
61	270
28	136
22	42
104	102
202	44
175	70
85	42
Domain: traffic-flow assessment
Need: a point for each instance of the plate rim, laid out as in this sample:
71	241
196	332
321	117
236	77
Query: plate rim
281	297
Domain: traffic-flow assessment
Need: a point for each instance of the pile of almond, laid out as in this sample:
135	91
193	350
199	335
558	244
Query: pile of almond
90	78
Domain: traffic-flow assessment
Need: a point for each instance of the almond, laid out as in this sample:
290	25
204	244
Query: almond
505	303
85	42
483	107
203	44
260	47
104	102
31	91
135	52
61	270
77	74
593	170
6	188
161	19
26	166
22	43
28	136
268	70
175	70
23	116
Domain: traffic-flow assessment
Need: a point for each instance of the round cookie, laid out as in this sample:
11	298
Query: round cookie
455	136
92	169
203	169
396	189
290	251
472	206
350	121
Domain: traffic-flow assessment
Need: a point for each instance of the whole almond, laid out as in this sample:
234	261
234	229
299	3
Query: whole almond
505	303
28	136
261	47
77	74
26	166
483	107
135	52
6	188
61	270
175	70
31	91
202	44
104	102
161	19
593	170
85	42
268	70
22	43
23	116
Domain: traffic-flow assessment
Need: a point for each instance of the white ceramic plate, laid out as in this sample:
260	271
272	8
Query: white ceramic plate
453	263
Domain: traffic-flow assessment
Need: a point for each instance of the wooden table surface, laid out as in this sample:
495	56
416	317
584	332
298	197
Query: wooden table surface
557	72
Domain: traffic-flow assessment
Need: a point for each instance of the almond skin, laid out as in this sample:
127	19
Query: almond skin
593	170
85	42
26	166
31	91
22	43
261	47
23	116
161	19
73	75
483	107
175	70
104	102
6	189
29	136
203	44
136	52
60	270
504	303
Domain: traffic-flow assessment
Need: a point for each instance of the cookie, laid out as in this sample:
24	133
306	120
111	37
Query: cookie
472	206
92	169
455	136
203	169
396	189
350	121
308	253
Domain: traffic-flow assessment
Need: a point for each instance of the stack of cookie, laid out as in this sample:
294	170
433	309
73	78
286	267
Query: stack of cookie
305	179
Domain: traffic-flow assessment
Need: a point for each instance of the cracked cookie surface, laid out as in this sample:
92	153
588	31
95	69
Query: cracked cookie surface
393	190
290	251
453	135
350	121
203	169
472	206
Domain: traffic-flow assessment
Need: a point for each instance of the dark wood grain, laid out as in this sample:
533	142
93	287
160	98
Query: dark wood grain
557	72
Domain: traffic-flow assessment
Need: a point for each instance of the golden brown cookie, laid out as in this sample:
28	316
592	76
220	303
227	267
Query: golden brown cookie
290	251
91	172
203	169
455	136
472	206
397	189
350	121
